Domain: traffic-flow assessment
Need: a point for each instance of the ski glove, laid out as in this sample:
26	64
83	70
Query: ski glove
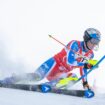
86	85
88	66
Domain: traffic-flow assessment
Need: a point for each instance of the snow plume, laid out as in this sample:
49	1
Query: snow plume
9	63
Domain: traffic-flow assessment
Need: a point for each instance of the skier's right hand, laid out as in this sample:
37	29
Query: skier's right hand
88	66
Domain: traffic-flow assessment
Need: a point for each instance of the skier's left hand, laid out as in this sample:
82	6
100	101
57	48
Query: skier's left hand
86	85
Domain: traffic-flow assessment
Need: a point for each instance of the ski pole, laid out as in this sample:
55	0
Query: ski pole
69	48
57	40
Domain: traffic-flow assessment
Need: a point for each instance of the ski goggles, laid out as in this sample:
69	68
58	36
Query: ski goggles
94	41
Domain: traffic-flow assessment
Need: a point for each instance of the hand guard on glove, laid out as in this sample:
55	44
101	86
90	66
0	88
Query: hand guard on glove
88	66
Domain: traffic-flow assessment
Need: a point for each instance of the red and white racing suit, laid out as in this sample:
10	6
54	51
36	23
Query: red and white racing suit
62	64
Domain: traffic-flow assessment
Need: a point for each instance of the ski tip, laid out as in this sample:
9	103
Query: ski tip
89	94
45	88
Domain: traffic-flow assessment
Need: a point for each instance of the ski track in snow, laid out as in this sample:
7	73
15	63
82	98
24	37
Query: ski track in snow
21	97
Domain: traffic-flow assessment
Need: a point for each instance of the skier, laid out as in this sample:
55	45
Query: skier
61	65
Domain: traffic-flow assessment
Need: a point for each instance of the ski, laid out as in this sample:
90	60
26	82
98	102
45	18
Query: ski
43	88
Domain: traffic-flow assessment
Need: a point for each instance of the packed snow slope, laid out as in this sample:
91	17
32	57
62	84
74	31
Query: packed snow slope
21	97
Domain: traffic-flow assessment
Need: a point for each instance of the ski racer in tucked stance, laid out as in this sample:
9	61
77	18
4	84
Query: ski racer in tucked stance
77	54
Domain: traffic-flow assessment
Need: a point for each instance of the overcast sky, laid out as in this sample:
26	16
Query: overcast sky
25	25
